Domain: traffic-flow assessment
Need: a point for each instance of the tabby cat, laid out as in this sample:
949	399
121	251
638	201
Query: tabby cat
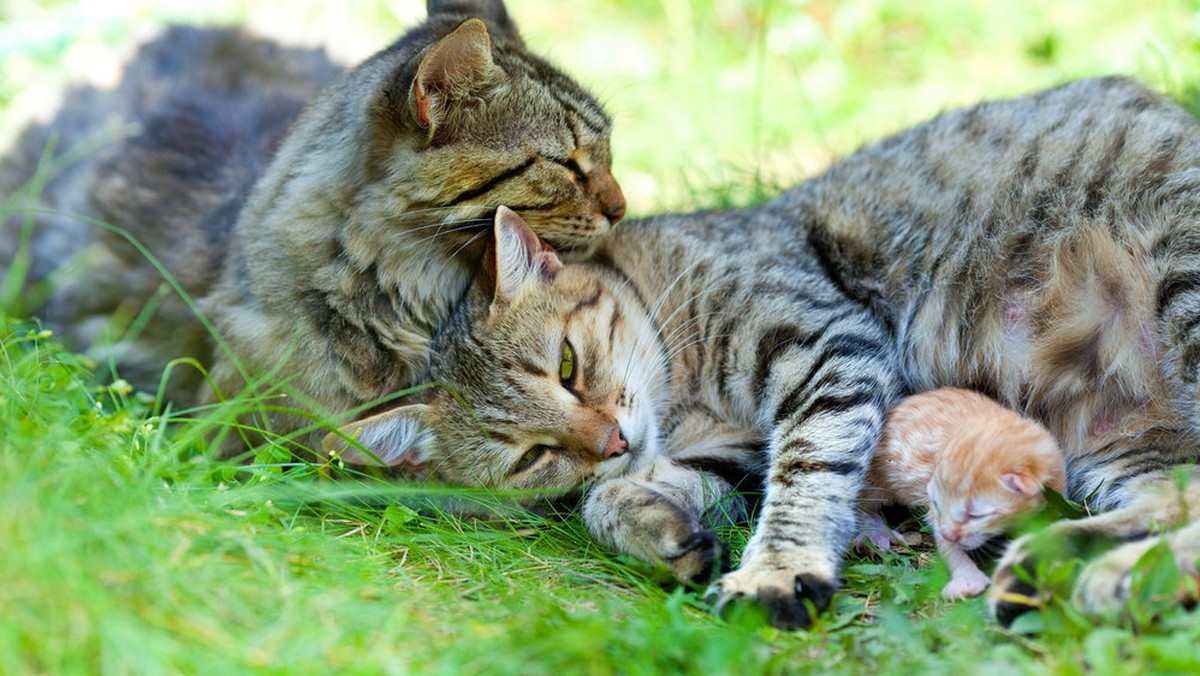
169	155
690	351
973	465
1043	250
368	223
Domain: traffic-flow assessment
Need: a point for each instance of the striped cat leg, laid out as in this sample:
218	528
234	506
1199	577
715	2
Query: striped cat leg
1160	501
657	515
827	403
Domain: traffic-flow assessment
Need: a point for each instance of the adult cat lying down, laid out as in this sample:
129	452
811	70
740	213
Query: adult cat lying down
692	349
1043	250
364	225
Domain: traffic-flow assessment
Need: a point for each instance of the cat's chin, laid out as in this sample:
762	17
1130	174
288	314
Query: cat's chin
975	540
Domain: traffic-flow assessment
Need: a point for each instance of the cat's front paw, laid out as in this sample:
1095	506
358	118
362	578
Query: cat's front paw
699	557
789	599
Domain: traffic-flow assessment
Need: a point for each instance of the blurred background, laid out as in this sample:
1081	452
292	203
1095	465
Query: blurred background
715	101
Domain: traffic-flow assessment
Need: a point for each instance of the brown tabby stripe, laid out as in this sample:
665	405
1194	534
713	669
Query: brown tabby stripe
492	183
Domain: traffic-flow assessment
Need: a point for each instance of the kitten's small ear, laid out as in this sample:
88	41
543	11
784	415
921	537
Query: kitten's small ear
1022	483
399	437
517	258
452	68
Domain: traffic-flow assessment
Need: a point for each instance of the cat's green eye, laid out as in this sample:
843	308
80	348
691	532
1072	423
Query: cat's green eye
566	365
529	458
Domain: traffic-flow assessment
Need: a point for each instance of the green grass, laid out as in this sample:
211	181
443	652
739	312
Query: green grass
126	550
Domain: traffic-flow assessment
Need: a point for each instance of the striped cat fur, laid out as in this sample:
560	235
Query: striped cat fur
1043	250
365	222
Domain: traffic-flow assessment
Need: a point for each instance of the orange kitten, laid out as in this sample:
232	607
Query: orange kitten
973	464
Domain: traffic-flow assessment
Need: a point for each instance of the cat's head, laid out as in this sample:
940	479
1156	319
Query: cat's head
551	377
990	473
464	116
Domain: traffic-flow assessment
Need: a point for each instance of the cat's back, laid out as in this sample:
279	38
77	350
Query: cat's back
994	181
167	156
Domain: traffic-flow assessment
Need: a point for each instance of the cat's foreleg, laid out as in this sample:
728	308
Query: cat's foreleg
825	406
656	515
1161	502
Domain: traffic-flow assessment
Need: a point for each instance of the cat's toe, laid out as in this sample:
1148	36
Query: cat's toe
700	558
789	601
1013	593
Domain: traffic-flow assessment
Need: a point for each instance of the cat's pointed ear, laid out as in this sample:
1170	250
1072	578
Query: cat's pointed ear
492	12
517	258
400	437
452	68
1022	483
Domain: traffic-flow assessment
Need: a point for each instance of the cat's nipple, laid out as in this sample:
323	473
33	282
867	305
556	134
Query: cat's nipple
616	443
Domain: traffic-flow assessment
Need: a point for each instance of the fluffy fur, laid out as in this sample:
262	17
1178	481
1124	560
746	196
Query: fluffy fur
363	230
973	465
168	156
1042	250
703	349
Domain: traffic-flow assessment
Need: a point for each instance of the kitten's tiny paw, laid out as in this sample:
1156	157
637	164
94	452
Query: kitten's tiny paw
780	594
881	539
965	585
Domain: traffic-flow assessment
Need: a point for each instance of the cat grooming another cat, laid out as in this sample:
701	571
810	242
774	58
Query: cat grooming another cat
366	222
1044	250
975	466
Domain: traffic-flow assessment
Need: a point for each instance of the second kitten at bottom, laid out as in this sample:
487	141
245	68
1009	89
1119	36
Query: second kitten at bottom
972	464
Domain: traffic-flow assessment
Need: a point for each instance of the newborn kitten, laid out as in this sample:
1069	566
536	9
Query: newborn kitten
974	465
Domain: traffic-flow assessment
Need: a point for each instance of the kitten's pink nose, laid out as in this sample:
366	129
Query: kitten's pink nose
616	443
951	533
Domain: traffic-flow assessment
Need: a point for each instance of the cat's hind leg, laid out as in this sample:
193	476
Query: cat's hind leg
1159	502
1106	584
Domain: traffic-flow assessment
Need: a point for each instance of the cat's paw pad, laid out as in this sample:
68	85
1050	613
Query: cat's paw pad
965	584
789	600
700	556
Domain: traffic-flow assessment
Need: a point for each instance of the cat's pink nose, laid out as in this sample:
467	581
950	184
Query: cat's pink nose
616	444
